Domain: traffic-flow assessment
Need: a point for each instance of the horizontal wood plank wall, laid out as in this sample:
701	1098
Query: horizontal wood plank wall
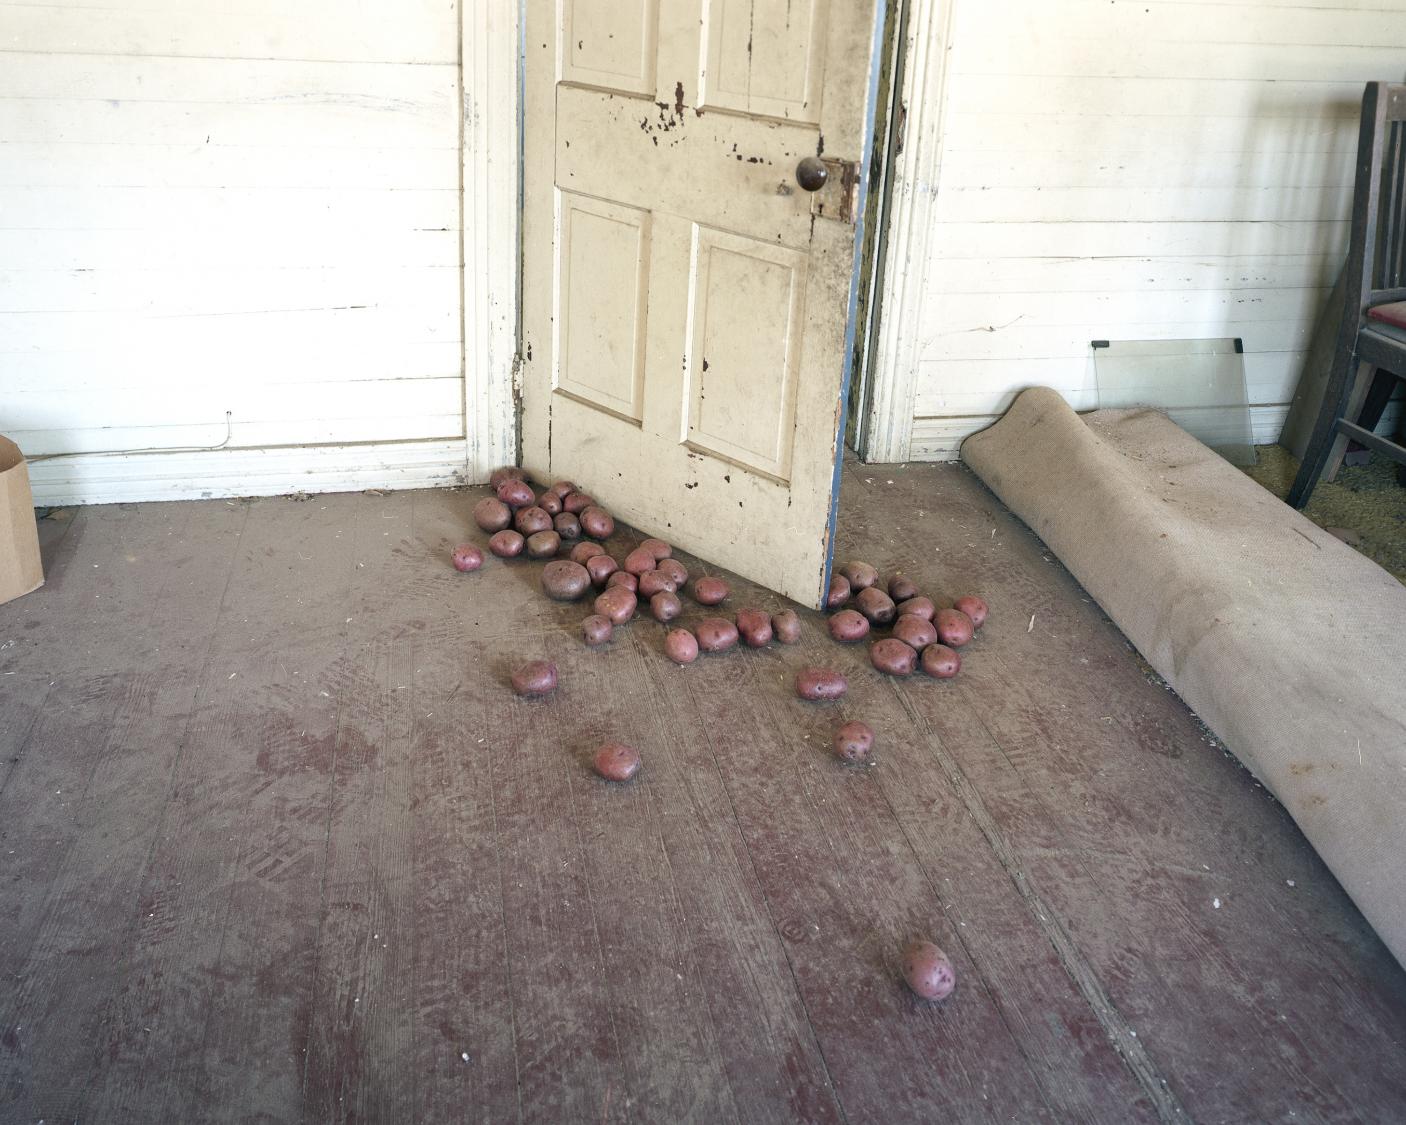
229	224
1118	170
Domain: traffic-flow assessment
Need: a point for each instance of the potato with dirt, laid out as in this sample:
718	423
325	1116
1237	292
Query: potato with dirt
543	545
597	630
954	628
491	514
681	646
786	625
754	627
854	741
536	677
466	557
928	971
507	544
893	657
564	580
716	634
848	626
820	684
616	762
876	605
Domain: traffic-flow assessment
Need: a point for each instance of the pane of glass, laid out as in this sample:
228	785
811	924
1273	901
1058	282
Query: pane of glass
1200	384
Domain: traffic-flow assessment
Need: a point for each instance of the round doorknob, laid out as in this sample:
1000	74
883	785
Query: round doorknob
811	173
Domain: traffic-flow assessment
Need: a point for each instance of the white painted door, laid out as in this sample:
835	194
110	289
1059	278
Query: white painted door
685	303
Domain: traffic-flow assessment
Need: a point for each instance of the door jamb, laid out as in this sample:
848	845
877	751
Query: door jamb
490	224
910	223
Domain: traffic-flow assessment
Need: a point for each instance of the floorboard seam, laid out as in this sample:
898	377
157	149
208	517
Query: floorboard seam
770	914
1167	1105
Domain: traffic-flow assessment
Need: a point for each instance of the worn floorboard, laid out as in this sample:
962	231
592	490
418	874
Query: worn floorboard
278	844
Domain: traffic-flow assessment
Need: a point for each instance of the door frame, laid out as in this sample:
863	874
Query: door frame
909	230
490	224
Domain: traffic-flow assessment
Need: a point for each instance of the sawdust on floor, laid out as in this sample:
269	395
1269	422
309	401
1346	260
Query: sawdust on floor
1365	500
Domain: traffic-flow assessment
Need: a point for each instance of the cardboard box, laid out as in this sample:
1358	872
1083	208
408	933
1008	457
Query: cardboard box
20	568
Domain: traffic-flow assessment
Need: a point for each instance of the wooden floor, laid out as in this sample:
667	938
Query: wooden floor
278	844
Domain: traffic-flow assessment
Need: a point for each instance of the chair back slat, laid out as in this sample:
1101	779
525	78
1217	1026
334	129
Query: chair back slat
1387	259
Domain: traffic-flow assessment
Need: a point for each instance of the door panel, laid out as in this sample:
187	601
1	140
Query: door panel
601	328
610	43
685	303
747	300
764	59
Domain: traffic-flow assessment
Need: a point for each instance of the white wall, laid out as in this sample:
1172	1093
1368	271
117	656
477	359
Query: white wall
242	209
1087	169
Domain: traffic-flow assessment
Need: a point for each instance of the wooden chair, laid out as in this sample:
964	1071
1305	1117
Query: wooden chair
1370	357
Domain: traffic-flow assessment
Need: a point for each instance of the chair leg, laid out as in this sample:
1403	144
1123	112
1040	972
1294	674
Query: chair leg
1321	445
1356	403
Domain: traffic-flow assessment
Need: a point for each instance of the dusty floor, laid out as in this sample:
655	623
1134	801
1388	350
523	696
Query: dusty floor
1366	500
277	844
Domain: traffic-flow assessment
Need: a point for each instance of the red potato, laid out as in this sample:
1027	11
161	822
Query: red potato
467	557
564	580
709	591
623	578
848	626
600	568
491	514
928	971
537	677
543	545
820	684
901	588
616	762
754	627
915	631
658	548
562	489
854	741
550	503
638	561
508	472
876	605
567	526
973	607
617	603
940	662
583	551
860	574
653	582
954	628
920	607
892	656
665	606
531	520
716	634
597	630
516	493
787	626
674	571
681	646
597	522
507	544
577	502
839	592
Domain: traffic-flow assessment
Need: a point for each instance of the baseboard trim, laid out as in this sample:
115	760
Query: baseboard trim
212	474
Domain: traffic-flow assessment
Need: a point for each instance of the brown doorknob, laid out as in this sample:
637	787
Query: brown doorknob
811	173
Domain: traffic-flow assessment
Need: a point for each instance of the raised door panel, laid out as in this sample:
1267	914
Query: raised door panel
602	277
744	343
610	43
764	59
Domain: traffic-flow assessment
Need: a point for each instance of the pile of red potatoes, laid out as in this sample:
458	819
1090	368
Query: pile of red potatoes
566	527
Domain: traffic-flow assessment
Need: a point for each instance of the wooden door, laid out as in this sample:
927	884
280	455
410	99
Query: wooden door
685	303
